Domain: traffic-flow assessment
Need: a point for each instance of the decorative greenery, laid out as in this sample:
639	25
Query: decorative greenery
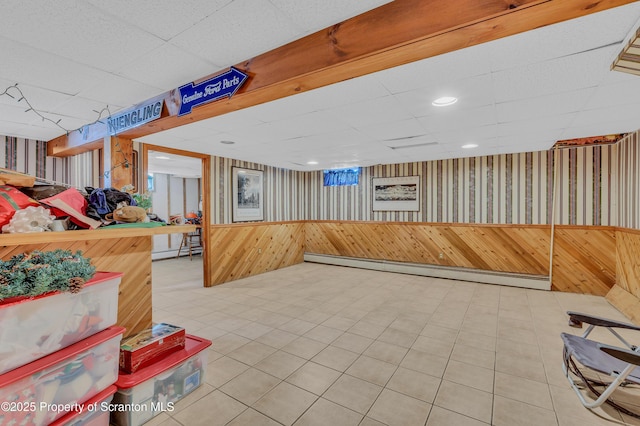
41	272
142	200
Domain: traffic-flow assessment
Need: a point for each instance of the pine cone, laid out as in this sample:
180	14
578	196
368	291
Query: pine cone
75	284
4	280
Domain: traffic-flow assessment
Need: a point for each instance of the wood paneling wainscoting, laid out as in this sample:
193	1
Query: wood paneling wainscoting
584	259
518	249
584	256
625	295
245	249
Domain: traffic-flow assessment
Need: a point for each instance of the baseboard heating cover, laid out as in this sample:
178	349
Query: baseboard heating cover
537	282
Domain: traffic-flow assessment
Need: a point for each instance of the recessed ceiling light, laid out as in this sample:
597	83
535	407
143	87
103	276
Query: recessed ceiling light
470	145
312	163
227	142
444	101
163	158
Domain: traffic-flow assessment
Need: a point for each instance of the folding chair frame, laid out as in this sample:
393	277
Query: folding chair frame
631	356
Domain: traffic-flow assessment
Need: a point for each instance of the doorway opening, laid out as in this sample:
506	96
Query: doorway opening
179	183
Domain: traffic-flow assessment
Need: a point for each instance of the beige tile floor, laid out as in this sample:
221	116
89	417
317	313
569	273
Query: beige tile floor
323	345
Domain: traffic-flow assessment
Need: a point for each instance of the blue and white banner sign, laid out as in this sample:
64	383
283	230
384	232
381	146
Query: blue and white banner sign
218	87
134	118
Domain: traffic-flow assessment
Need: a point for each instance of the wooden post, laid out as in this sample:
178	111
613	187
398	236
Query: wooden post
118	160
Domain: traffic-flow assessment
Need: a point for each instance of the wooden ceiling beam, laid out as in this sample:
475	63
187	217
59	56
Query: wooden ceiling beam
394	34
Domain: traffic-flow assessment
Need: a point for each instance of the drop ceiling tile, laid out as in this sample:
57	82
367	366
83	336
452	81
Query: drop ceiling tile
26	131
162	139
314	15
544	106
471	93
335	140
42	100
410	143
558	75
118	92
240	143
189	132
162	18
394	130
577	35
601	128
318	143
458	137
280	109
267	132
531	141
615	77
238	32
25	65
529	144
459	119
381	110
611	95
536	124
436	71
15	113
346	92
167	67
232	121
318	122
612	113
65	124
86	110
64	26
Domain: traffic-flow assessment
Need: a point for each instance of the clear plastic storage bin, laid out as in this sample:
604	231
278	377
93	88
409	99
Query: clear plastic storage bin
44	390
157	387
31	328
94	412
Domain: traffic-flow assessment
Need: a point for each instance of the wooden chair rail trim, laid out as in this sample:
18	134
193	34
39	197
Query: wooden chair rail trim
250	224
627	230
96	234
439	224
487	225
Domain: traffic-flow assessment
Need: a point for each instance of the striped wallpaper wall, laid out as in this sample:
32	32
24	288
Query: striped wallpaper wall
499	189
283	191
30	156
586	193
595	186
628	164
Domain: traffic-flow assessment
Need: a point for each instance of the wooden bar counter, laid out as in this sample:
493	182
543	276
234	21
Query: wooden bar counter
126	250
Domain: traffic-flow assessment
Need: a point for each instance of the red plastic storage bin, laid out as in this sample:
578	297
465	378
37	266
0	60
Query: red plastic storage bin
94	412
157	387
44	390
33	327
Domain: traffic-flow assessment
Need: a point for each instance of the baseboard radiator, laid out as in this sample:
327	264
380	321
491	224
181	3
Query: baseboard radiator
537	282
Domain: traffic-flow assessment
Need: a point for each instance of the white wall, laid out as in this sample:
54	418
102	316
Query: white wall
171	196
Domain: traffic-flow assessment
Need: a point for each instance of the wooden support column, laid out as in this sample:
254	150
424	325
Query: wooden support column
118	160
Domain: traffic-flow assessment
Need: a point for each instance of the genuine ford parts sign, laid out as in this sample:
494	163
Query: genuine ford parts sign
218	87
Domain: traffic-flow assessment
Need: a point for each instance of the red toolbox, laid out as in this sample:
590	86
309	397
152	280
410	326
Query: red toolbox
146	347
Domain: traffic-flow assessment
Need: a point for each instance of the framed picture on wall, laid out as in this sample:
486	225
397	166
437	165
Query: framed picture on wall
248	194
396	194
